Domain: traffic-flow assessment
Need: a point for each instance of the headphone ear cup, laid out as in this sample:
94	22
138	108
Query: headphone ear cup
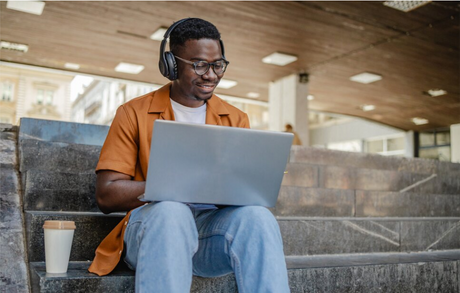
171	66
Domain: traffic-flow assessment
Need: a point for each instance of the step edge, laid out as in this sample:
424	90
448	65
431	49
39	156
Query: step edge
73	213
340	260
365	259
279	218
293	218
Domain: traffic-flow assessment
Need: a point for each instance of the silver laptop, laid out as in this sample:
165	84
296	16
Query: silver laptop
209	164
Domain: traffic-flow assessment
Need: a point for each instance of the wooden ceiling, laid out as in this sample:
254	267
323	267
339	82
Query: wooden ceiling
414	51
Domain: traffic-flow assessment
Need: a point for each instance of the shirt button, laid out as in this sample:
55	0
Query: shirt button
126	223
120	252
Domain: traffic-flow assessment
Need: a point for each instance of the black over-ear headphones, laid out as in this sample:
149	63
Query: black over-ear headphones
167	63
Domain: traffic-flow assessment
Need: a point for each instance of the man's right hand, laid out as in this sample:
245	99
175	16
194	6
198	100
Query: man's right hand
117	192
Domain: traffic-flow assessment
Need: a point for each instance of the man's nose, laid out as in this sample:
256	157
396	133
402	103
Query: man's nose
210	75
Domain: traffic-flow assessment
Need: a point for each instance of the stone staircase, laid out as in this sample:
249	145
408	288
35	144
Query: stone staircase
350	222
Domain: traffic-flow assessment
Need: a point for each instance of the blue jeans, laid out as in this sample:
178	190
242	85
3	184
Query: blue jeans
167	242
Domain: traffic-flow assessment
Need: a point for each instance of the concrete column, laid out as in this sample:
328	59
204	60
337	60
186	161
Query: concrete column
409	144
21	101
288	103
455	143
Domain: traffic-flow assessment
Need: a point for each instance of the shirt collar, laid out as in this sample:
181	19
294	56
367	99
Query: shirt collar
160	102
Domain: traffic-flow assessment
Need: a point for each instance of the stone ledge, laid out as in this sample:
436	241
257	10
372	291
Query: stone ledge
422	272
59	131
362	259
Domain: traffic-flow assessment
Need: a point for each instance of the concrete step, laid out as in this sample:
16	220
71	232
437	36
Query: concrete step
310	155
395	272
312	236
92	228
79	158
322	202
59	191
338	177
406	204
301	236
57	156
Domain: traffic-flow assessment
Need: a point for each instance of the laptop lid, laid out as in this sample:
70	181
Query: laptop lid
195	163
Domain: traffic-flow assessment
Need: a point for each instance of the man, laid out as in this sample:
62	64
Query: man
168	242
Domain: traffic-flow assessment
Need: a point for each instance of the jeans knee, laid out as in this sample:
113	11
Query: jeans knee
171	207
257	218
167	213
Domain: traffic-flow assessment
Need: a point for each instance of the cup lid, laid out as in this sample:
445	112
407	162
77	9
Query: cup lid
61	225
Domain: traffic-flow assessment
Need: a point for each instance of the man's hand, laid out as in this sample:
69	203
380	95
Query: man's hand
117	192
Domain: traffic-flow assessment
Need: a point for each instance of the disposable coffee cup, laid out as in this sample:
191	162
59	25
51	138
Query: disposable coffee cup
58	243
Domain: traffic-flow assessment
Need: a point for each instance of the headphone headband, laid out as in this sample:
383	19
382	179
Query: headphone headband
167	62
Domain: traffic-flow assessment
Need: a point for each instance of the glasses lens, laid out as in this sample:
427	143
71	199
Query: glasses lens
201	67
220	66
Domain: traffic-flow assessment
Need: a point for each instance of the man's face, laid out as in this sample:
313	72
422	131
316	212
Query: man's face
191	87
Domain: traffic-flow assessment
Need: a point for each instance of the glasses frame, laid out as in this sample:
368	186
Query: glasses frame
209	65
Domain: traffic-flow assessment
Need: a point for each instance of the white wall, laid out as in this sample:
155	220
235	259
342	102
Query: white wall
351	130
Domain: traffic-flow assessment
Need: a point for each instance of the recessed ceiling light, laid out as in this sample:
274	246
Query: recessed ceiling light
129	68
436	92
226	83
158	35
310	97
14	46
366	77
367	108
72	66
253	95
419	121
280	59
405	5
32	7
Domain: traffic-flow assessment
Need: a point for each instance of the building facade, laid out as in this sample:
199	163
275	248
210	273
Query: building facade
34	94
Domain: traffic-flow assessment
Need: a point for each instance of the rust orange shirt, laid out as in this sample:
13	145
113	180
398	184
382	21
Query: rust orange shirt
127	148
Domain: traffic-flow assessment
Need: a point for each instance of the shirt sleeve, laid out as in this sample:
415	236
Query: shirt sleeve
245	122
120	150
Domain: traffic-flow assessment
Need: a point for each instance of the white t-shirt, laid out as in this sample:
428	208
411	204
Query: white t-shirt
189	115
186	114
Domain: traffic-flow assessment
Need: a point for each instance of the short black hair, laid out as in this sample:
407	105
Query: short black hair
192	29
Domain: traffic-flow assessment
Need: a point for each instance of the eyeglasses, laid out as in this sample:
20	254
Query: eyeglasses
201	67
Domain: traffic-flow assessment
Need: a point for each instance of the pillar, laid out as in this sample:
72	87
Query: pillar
455	143
288	103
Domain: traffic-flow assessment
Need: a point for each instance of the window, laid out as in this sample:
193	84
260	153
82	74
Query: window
395	144
45	97
347	146
7	90
374	146
49	96
388	146
435	145
40	96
